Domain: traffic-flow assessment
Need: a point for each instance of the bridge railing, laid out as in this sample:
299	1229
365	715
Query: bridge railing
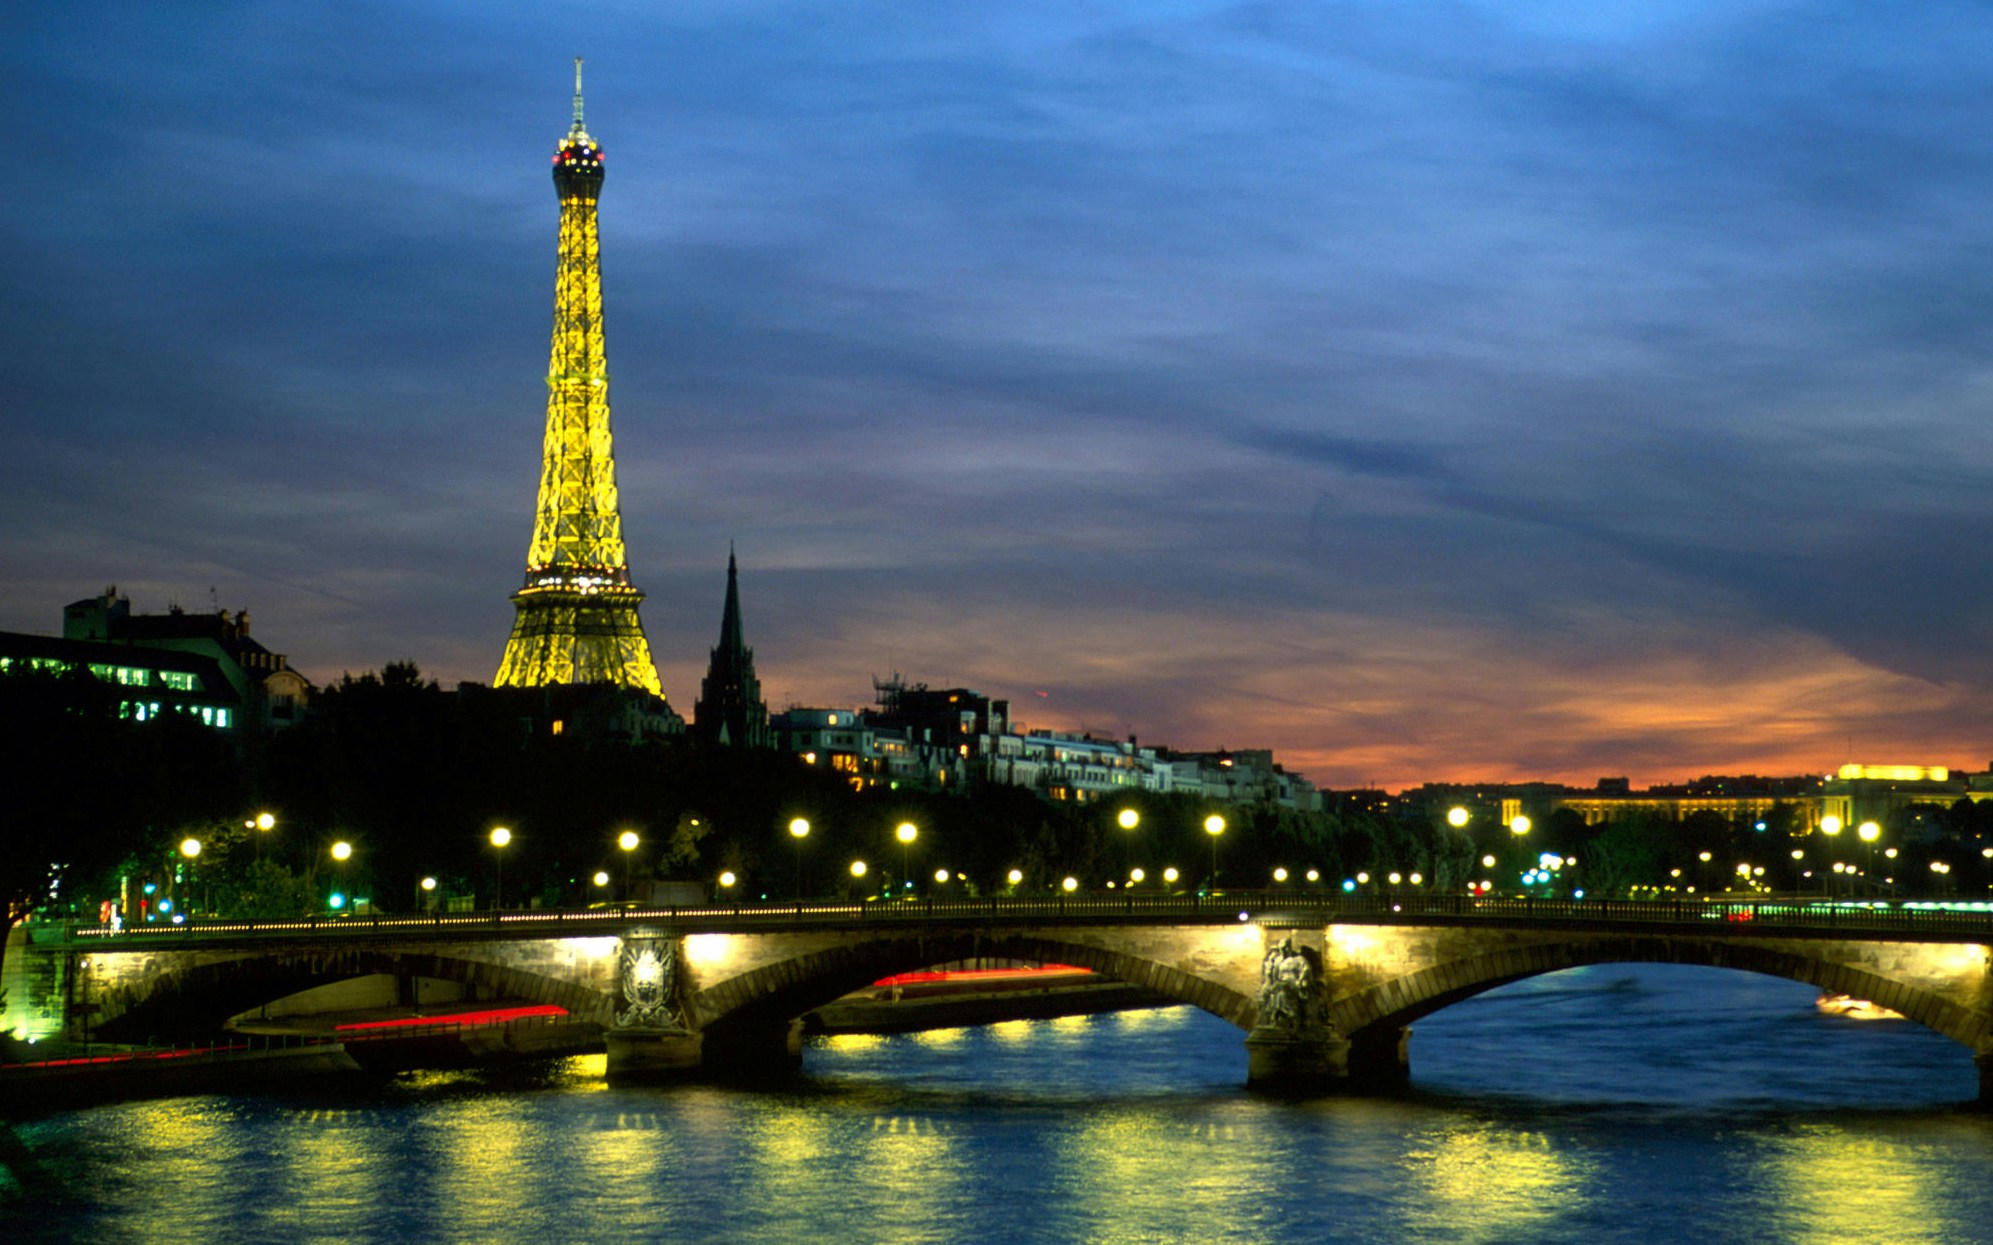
1734	915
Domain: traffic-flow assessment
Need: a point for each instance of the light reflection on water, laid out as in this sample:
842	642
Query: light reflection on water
1615	1103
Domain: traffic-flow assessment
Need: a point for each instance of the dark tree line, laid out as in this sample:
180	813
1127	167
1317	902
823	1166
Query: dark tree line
414	779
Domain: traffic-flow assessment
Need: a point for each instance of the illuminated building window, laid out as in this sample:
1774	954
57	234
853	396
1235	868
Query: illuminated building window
179	680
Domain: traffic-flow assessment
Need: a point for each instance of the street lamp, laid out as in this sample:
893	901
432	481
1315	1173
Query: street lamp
1456	817
1214	825
799	829
260	825
1170	875
1519	826
190	847
1014	877
500	836
341	852
1869	832
628	841
1830	825
1941	872
1070	885
425	897
906	833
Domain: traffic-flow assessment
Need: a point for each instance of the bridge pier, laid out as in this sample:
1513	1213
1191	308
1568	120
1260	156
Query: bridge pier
1380	1057
644	1055
1292	1048
761	1052
1282	1063
1983	1060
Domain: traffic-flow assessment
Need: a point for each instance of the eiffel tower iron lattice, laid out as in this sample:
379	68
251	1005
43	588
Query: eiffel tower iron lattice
577	612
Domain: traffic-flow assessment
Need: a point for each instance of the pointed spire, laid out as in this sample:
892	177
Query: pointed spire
730	709
577	93
732	638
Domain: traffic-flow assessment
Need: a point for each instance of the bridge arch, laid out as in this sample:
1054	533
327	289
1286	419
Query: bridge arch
1375	1016
178	1001
773	994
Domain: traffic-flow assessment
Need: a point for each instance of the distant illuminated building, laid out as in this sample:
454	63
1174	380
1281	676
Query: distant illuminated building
201	665
577	611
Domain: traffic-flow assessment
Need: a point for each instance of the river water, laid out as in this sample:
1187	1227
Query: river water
1613	1103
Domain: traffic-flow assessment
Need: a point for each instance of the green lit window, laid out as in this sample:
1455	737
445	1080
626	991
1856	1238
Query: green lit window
221	718
179	681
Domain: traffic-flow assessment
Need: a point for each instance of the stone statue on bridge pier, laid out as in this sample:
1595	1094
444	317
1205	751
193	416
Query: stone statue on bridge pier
650	985
1292	1045
650	1037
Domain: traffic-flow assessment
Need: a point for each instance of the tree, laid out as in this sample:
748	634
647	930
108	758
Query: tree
88	788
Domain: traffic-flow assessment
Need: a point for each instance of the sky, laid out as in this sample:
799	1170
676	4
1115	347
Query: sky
1462	391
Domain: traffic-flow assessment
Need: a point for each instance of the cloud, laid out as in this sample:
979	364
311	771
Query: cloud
1422	392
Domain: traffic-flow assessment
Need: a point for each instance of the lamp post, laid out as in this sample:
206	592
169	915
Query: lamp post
500	836
628	841
799	829
190	848
341	852
1868	832
258	826
425	894
1214	825
906	833
1127	819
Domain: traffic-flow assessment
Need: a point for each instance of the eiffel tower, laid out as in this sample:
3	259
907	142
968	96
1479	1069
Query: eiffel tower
577	612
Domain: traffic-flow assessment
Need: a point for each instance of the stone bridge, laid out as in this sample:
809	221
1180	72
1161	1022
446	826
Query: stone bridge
1325	992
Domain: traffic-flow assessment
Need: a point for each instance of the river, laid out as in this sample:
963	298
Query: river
1630	1103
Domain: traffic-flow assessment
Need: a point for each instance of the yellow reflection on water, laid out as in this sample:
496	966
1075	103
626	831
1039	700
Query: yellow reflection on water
1128	1175
1009	1031
1479	1182
852	1043
1829	1185
941	1039
1150	1019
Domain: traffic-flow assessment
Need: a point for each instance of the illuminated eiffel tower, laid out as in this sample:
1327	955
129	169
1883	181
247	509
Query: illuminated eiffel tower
577	613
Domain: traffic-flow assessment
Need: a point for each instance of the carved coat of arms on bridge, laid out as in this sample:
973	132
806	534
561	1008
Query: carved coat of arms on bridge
1291	995
650	985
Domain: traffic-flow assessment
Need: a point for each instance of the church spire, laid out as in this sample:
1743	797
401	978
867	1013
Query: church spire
730	709
731	639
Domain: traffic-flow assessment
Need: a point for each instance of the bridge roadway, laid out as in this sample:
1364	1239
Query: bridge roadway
1325	985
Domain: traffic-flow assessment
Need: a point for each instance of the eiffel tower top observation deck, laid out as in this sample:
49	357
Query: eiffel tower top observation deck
577	612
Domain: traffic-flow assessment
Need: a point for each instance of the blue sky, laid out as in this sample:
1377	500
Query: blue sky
1437	391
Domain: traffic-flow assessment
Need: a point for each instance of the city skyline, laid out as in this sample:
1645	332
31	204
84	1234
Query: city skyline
1424	395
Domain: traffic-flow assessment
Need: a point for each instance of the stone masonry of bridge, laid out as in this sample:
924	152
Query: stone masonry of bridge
140	990
1323	1005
